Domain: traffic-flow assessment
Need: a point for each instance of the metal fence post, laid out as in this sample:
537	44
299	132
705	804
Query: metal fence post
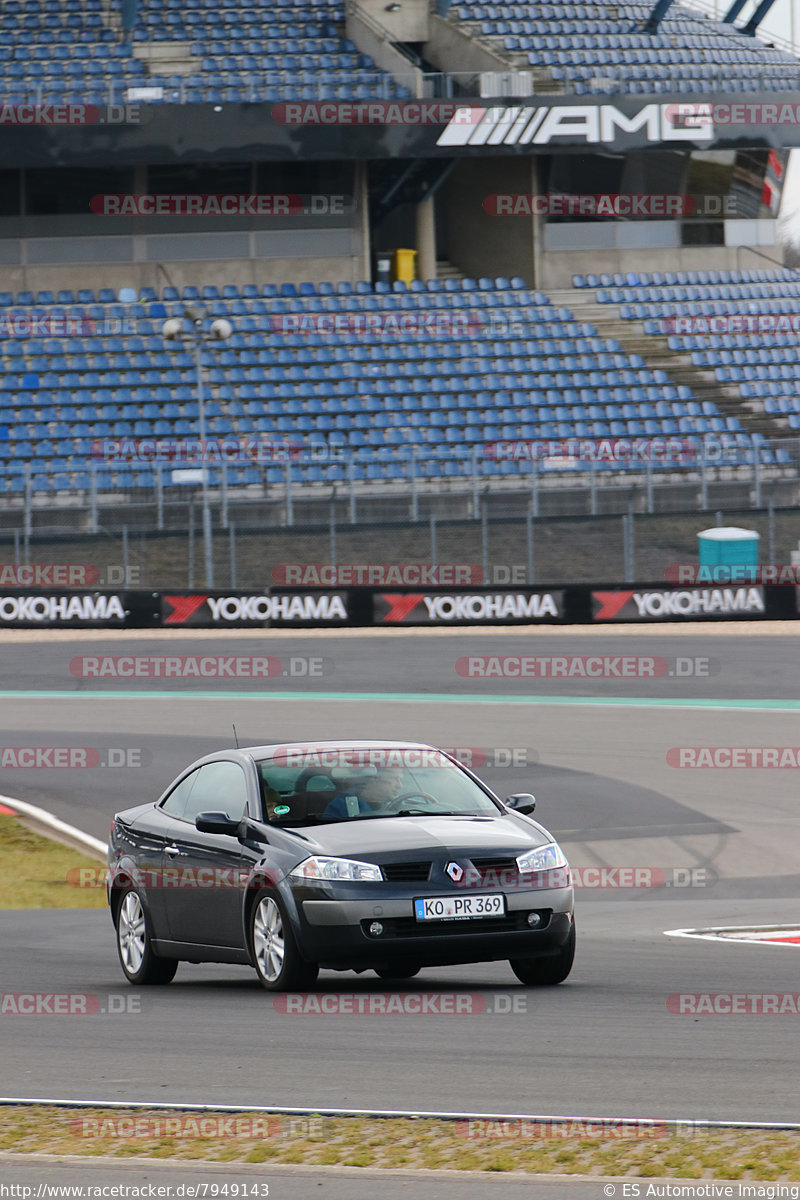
232	540
224	513
125	560
93	497
16	547
191	545
28	525
535	487
434	561
476	502
771	532
648	476
332	523
485	539
289	501
593	487
414	492
529	542
159	497
351	485
703	480
756	474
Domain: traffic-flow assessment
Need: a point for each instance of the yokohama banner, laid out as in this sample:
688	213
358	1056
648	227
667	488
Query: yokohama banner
363	607
197	609
468	608
670	604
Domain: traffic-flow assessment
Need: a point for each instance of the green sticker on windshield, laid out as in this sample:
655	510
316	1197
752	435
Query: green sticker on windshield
281	810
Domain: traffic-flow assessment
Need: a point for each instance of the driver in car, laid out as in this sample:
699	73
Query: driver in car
367	794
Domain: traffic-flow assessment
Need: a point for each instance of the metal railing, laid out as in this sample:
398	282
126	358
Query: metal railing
407	482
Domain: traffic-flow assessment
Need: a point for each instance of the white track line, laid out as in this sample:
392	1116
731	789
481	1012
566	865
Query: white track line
46	819
712	934
678	1124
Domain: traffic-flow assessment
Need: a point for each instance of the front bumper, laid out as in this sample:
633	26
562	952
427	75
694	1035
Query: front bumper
336	932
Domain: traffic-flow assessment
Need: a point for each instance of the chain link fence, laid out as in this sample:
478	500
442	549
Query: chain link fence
502	547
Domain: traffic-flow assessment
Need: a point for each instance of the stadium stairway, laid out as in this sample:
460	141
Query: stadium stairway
655	350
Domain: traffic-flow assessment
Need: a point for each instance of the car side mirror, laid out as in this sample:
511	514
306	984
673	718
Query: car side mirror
217	822
521	802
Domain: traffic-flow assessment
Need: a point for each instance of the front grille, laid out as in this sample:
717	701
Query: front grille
406	872
494	864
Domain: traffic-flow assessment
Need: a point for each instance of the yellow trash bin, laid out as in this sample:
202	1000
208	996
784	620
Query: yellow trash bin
405	265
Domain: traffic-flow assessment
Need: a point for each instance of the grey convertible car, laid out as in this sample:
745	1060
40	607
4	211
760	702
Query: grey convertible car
382	856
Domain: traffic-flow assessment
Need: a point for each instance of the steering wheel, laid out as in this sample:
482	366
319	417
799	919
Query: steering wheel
397	803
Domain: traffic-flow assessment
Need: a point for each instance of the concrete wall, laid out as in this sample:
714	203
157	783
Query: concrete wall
199	274
370	41
557	268
451	49
480	244
409	24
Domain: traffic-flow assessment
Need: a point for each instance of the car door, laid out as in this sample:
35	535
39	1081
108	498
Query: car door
143	846
203	875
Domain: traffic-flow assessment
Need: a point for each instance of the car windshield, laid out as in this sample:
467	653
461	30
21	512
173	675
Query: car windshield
308	786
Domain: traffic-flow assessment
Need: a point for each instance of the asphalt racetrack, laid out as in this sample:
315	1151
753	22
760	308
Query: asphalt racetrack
718	846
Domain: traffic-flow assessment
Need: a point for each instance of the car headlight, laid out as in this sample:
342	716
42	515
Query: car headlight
543	858
346	869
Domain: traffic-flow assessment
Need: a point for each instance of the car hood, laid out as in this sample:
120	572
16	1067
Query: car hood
391	835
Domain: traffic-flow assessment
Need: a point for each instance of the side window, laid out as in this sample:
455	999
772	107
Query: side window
220	787
175	803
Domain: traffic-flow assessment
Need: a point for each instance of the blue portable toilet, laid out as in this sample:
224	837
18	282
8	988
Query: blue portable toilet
728	555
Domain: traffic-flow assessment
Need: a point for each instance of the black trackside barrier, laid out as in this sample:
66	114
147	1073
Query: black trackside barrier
387	608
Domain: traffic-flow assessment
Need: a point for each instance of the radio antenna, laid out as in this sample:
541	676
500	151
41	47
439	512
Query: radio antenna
235	735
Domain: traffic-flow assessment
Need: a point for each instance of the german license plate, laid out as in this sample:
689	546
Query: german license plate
459	908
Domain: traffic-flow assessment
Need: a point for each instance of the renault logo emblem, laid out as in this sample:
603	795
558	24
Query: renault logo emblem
455	872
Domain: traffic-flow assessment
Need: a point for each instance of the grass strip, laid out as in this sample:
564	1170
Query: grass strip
36	872
401	1143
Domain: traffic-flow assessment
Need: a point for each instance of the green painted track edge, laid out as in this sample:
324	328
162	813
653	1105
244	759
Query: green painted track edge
417	698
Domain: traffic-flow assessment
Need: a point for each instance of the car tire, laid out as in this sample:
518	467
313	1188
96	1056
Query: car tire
276	958
545	972
398	972
140	964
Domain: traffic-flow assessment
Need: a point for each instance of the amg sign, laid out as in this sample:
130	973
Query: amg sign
584	124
